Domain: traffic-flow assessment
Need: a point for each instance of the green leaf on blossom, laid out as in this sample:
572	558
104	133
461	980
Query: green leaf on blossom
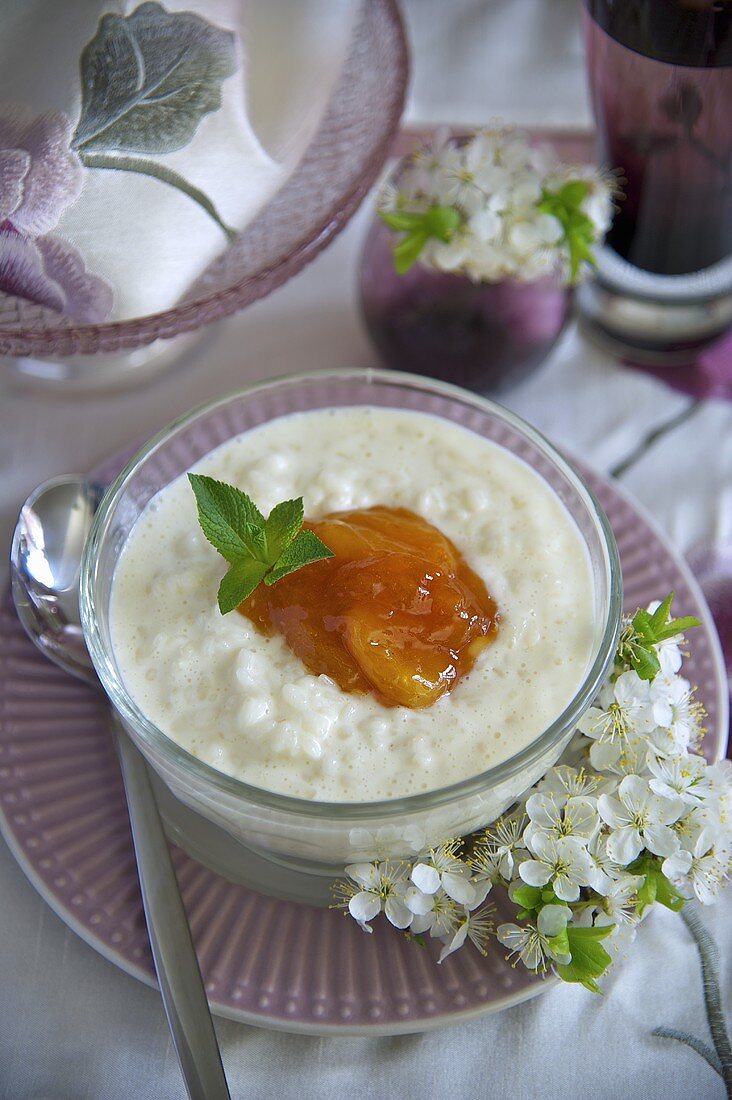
646	630
647	893
667	895
656	887
579	229
441	222
408	249
401	220
560	943
589	958
528	897
437	222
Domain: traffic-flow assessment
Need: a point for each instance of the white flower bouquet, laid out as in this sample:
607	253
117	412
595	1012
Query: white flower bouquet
632	817
494	207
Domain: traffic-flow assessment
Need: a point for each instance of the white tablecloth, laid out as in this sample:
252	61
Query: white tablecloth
72	1026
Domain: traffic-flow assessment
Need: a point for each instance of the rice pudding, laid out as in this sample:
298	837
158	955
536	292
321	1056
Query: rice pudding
241	700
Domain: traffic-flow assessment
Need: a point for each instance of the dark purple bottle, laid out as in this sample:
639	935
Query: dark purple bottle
660	74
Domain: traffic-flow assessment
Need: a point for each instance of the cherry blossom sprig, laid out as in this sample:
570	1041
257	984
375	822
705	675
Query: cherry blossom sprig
495	207
632	817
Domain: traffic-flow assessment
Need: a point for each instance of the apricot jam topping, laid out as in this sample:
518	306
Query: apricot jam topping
397	611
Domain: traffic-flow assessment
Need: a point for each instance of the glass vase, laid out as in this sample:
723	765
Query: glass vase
483	336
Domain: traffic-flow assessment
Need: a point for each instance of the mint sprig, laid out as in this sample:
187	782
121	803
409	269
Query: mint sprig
439	222
257	549
646	630
579	230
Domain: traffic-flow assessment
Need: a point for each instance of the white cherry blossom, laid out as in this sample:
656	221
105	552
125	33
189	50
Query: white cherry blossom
530	942
475	926
496	181
617	906
564	863
565	782
564	817
496	858
639	818
383	886
440	869
702	871
678	716
441	919
683	777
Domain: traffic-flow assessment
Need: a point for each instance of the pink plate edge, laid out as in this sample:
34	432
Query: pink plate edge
721	734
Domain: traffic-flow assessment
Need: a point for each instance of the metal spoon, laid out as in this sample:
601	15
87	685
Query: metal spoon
44	565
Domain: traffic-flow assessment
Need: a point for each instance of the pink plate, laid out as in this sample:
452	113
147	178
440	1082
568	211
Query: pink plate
266	962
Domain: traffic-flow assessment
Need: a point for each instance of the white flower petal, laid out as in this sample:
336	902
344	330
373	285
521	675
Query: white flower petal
364	906
535	873
660	840
566	888
397	912
425	878
553	919
456	941
612	811
624	845
459	888
417	902
365	874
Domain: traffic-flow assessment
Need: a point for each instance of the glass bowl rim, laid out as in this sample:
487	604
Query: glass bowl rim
154	738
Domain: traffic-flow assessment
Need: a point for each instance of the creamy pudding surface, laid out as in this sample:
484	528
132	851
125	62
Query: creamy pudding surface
245	704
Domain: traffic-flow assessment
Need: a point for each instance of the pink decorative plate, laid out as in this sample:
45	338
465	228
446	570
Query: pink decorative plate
266	962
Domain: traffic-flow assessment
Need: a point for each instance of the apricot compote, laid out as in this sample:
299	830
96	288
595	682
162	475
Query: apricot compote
397	611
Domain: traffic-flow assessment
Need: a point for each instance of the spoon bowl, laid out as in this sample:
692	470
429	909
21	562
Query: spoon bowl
45	557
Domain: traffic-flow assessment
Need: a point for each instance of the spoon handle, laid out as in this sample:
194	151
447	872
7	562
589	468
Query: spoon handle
179	976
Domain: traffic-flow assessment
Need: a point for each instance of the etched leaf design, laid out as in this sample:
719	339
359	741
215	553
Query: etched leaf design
149	78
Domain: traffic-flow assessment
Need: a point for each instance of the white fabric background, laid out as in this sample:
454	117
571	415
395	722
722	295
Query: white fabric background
72	1027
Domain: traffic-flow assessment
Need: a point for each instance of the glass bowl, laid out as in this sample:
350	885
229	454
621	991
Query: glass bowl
305	835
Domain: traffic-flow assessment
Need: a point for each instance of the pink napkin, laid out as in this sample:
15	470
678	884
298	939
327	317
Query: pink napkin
709	376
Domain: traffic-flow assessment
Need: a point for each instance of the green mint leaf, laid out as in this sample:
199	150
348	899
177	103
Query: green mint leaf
229	519
408	249
240	582
283	523
305	549
256	549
